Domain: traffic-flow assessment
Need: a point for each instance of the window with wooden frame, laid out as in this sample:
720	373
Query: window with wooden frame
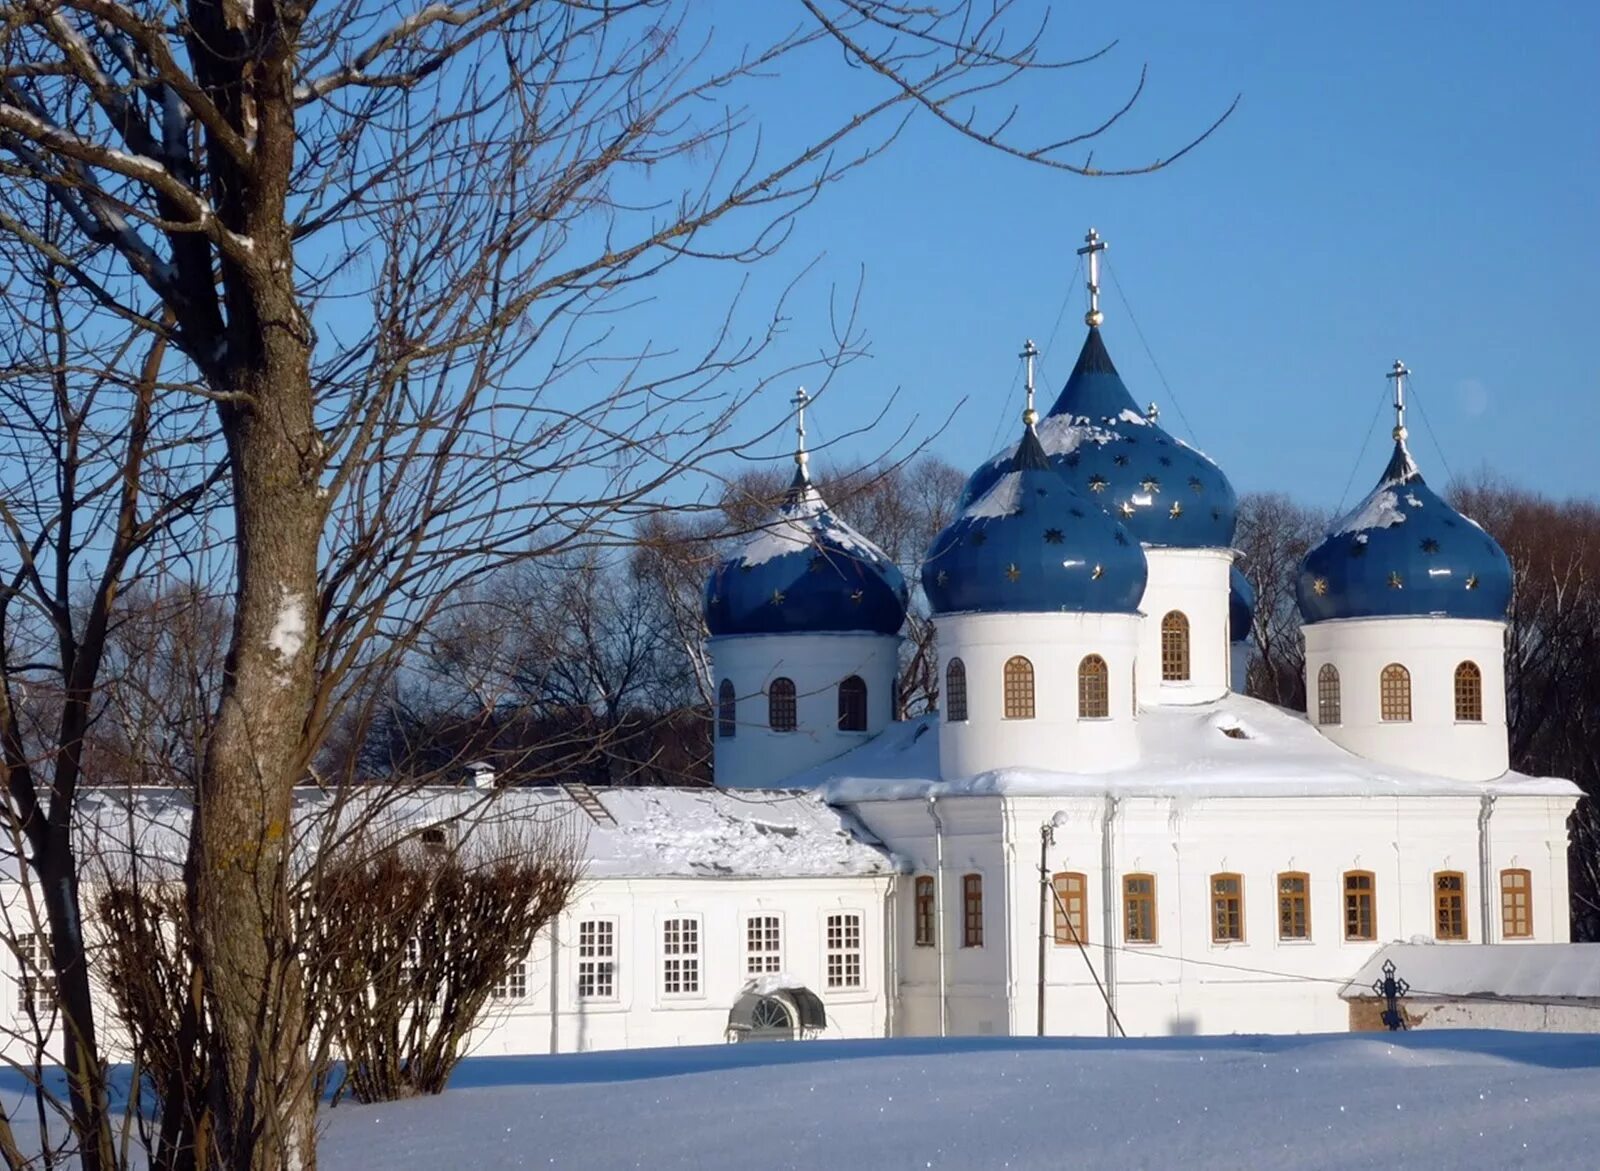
783	711
1449	905
1227	908
955	691
1360	906
1175	647
1516	904
1469	693
1294	905
1071	909
727	711
972	910
1328	706
926	911
853	704
844	966
1394	694
680	956
763	944
1094	689
1019	688
37	983
1139	908
597	959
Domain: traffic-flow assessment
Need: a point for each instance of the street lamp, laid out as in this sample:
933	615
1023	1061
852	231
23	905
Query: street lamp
1047	838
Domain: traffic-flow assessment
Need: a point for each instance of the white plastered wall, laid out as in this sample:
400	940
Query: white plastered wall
1055	738
755	756
1195	583
1433	740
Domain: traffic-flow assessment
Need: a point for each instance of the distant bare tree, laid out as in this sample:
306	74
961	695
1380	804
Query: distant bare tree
1273	537
374	257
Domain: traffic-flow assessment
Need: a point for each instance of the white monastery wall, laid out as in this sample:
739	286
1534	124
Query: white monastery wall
1193	582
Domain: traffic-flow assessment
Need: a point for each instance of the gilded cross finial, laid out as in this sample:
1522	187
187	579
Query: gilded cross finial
1093	245
1398	375
799	401
1029	353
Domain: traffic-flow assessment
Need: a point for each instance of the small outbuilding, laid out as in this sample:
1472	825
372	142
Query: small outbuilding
1526	987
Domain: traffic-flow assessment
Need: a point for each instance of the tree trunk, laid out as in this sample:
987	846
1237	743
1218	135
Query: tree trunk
262	1093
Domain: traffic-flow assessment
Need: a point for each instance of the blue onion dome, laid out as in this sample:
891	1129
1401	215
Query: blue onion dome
1029	543
1404	552
806	571
1161	489
1241	605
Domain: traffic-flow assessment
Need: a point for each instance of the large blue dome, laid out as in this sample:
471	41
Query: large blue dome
1404	552
804	572
1029	543
1241	605
1164	491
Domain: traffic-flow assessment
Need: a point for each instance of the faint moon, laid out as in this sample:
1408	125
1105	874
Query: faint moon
1473	396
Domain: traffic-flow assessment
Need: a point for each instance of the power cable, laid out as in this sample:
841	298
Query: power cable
1172	396
1356	467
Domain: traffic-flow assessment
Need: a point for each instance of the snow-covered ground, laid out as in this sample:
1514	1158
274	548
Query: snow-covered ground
1420	1100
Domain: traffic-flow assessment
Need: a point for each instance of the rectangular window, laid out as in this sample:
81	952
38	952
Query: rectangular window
597	959
1227	908
1360	914
926	911
1139	908
763	952
844	951
972	910
1450	905
1516	904
37	983
680	956
1071	906
1294	906
513	985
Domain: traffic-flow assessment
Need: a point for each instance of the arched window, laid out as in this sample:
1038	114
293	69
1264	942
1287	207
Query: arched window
1227	908
1019	688
1469	693
853	704
955	691
1175	647
1071	909
727	711
972	910
1328	711
1394	694
1516	907
1094	689
1450	905
1294	905
782	710
1360	907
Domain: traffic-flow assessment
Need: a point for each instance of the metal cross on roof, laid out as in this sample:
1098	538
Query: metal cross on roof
799	401
1398	375
1093	245
1029	352
1391	988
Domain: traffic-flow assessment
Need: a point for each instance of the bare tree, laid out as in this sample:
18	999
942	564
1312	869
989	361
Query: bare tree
382	250
1273	537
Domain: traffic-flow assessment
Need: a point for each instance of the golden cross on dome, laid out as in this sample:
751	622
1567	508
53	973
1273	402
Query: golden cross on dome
799	402
1093	245
1029	352
1398	374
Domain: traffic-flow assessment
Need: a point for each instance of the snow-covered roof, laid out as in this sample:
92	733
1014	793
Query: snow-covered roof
653	832
1511	971
1184	751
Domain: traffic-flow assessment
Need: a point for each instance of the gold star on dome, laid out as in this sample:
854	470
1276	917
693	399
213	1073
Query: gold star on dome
1151	484
1012	572
777	597
815	564
1175	511
942	578
1429	545
1097	572
856	596
1319	586
1472	581
1394	581
1053	537
1125	508
1097	483
1194	482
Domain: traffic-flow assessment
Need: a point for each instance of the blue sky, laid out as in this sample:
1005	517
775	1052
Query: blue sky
1418	181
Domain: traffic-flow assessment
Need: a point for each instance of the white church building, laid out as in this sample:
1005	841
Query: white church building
1095	833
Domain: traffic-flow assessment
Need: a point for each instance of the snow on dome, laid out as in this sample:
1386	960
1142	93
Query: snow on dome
805	571
1164	491
1404	552
1030	544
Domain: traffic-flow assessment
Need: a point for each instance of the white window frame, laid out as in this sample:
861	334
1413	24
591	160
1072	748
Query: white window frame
843	951
601	963
514	984
766	960
681	939
36	979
